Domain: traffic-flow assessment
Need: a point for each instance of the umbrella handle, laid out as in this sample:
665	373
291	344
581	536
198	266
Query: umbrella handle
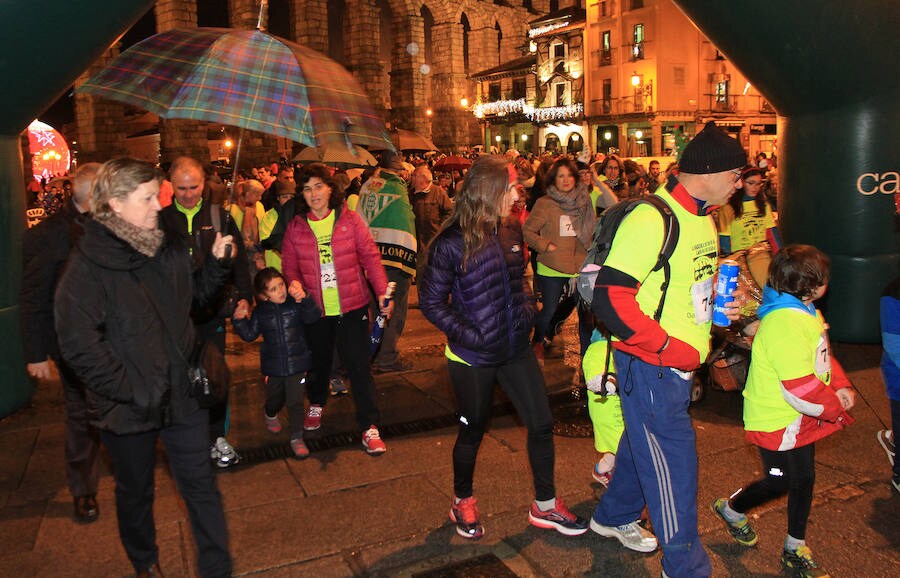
263	21
234	170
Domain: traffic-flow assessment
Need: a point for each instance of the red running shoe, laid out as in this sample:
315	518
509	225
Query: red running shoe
559	519
465	515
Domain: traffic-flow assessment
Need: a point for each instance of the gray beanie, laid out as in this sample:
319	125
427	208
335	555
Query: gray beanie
712	151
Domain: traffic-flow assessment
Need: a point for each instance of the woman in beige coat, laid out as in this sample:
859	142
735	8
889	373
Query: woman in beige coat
559	228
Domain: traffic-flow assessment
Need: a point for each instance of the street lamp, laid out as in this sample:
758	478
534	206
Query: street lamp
464	102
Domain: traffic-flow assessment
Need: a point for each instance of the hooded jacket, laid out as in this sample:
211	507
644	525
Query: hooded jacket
111	333
485	310
284	349
789	399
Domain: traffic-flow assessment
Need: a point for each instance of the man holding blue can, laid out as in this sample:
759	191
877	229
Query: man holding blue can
656	463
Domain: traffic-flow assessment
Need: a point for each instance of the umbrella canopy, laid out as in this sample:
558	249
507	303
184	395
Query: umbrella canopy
413	141
244	78
452	163
337	155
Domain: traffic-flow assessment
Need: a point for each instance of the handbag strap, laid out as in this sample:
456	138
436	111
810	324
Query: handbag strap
159	315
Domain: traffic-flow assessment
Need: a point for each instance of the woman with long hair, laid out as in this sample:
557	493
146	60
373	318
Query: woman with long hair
329	249
123	318
560	228
747	217
612	174
474	291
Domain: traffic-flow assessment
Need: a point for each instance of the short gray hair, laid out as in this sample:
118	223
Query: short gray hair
83	181
118	178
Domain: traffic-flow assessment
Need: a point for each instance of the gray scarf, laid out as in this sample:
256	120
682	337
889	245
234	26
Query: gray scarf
144	241
577	204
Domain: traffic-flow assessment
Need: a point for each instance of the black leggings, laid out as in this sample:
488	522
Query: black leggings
791	472
523	382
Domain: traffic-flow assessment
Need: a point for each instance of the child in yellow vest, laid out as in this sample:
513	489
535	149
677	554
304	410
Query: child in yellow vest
604	405
796	393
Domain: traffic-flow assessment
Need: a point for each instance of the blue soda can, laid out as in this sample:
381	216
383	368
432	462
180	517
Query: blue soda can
725	286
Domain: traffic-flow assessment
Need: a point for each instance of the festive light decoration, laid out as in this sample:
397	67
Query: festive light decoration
545	114
50	153
545	29
499	107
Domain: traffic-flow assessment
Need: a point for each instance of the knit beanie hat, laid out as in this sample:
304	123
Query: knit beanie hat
712	151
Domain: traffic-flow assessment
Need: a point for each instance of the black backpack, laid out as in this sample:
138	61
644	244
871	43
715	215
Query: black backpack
604	233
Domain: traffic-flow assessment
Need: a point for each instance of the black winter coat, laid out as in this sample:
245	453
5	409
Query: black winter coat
200	241
45	248
284	349
112	336
486	311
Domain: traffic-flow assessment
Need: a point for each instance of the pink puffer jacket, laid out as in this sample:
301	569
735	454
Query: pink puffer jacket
356	259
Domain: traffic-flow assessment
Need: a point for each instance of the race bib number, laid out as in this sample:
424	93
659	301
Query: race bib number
823	359
329	278
566	228
701	295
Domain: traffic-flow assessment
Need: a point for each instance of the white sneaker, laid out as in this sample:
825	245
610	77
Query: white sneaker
632	535
223	454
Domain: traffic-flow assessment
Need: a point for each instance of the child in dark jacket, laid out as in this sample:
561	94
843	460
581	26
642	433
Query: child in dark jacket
280	317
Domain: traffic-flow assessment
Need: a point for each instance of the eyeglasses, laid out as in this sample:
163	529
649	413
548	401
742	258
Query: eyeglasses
737	174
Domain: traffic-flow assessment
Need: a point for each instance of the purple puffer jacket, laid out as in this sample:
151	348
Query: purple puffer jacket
486	311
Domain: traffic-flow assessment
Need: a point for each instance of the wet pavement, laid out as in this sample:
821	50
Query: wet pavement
344	513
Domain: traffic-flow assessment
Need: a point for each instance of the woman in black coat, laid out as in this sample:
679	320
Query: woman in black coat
473	290
123	318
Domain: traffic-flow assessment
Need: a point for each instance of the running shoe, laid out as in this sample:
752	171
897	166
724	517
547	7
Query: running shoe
371	440
273	424
465	515
337	386
224	454
800	563
631	535
313	420
299	449
559	519
741	530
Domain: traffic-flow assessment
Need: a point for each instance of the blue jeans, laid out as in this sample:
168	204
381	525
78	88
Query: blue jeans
656	464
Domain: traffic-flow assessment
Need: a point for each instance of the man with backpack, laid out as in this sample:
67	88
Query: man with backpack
654	293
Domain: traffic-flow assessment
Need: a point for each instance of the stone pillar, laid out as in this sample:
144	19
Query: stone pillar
364	60
407	81
256	148
448	85
180	137
311	24
656	135
243	13
98	120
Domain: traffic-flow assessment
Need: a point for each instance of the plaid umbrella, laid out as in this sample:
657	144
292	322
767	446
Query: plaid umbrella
244	78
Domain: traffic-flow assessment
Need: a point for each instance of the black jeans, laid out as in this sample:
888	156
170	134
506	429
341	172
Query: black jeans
387	353
287	390
523	382
791	472
351	332
213	332
82	440
551	290
134	458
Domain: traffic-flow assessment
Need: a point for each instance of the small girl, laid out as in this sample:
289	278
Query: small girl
796	393
280	316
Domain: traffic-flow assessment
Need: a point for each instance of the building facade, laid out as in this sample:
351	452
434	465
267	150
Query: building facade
654	79
411	56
